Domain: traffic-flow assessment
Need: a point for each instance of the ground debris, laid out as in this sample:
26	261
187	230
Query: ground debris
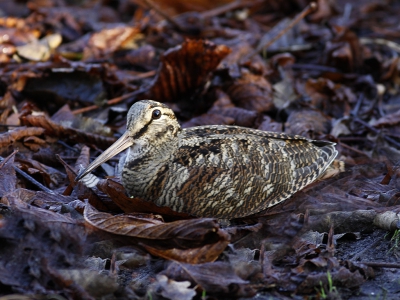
69	72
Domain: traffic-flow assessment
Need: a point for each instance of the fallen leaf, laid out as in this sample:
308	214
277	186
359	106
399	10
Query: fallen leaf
56	130
185	69
252	92
9	138
184	234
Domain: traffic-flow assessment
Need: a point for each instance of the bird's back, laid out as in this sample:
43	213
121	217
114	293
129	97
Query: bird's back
230	172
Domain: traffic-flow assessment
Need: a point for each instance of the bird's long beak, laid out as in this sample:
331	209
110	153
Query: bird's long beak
120	145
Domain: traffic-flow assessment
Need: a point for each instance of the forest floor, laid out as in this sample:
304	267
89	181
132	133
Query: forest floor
71	69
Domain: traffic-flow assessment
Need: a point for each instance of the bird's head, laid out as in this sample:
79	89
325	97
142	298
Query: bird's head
147	120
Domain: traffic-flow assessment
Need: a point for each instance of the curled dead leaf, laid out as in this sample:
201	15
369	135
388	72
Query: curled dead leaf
166	239
185	69
16	134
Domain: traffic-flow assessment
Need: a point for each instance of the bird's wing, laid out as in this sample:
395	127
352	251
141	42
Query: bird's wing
232	171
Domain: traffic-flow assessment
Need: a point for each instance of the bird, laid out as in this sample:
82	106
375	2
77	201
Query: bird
218	171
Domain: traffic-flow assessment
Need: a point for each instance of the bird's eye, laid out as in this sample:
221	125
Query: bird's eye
156	114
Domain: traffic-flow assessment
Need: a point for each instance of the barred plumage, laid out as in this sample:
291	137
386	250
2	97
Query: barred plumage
212	171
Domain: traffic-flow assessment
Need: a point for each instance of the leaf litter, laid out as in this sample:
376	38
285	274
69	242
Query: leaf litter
69	73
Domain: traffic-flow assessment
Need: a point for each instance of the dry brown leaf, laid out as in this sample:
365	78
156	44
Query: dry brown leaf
186	235
325	9
9	138
185	69
51	176
252	92
75	135
195	255
108	40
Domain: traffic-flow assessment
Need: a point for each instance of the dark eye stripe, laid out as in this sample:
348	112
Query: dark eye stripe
142	131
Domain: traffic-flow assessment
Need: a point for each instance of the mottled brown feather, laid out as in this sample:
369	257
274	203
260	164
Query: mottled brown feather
222	171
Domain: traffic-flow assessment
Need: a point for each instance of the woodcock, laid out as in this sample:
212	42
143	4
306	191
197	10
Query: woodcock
212	171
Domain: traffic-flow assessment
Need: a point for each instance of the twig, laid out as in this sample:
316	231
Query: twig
109	103
356	108
309	9
390	44
316	68
352	149
377	264
30	178
153	6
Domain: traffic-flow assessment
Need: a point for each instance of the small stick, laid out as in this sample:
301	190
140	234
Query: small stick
309	9
109	103
377	264
352	149
164	15
315	68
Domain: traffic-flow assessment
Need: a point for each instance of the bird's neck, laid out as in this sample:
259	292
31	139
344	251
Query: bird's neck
143	162
149	153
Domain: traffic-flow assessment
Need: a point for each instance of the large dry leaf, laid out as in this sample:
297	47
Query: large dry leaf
75	135
185	69
9	138
186	235
108	40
